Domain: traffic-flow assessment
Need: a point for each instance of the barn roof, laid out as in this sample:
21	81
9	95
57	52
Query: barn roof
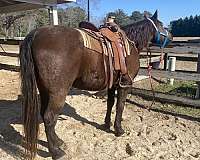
7	6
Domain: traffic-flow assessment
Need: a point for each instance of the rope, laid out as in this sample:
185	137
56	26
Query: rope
149	69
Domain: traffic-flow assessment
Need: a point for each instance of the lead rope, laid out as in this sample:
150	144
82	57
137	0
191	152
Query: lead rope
149	69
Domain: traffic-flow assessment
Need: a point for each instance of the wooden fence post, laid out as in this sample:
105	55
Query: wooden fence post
53	15
171	68
198	83
165	61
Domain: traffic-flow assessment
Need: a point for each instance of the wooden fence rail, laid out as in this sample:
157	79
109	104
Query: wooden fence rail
187	76
9	54
161	97
181	75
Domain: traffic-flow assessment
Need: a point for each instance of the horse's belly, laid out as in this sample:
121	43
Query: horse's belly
92	81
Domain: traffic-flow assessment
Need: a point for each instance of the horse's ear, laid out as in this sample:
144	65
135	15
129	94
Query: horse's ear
145	15
155	16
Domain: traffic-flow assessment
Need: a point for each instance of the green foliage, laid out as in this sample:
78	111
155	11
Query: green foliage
71	16
136	16
186	27
20	24
41	18
122	19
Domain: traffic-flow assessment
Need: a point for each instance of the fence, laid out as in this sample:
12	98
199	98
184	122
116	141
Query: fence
187	51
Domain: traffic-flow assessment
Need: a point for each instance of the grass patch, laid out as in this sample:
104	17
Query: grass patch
181	110
180	88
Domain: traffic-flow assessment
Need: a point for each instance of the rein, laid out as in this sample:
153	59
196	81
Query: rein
162	45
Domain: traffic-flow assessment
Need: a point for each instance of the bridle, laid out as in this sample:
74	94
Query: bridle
159	34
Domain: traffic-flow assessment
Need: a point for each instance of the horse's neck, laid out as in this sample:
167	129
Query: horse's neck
140	33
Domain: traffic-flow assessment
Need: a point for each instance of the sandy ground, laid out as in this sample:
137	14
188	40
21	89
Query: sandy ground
149	135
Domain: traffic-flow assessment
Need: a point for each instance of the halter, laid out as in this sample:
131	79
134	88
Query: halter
159	34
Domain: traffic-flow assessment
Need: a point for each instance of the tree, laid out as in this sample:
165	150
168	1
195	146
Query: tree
8	24
21	23
121	18
136	16
41	18
93	6
186	27
71	16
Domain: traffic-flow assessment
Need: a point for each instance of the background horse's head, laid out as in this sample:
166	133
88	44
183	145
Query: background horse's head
148	30
161	36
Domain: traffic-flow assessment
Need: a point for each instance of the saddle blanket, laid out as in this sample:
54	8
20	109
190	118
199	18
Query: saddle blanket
93	41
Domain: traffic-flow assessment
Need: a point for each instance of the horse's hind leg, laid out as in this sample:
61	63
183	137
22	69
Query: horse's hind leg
110	103
44	97
56	102
121	99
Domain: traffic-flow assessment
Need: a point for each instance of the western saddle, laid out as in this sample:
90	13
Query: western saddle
113	45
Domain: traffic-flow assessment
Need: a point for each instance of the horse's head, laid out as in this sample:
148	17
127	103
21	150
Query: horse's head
161	36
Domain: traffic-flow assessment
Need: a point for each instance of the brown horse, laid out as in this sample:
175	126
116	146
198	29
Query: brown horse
53	59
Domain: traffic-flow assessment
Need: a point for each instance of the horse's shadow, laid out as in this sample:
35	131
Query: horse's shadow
10	114
70	111
10	138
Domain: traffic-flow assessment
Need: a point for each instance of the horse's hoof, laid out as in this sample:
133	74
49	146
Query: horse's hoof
106	126
119	132
57	154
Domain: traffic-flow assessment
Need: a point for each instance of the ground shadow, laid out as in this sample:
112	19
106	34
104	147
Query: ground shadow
11	139
187	117
71	112
184	91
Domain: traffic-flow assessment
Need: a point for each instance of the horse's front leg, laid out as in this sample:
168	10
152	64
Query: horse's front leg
110	103
121	99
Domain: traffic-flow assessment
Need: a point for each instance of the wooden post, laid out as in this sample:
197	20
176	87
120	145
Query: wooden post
88	10
53	15
198	83
171	68
166	61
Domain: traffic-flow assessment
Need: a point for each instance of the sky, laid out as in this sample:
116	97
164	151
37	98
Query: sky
168	10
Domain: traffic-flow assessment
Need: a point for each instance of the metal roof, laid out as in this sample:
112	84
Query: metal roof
7	6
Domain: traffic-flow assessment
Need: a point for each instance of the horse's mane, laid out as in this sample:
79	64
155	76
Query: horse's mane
140	32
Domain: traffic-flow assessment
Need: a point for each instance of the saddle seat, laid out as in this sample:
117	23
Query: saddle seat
88	25
113	45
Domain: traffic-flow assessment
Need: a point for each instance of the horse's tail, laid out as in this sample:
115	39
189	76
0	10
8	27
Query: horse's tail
30	102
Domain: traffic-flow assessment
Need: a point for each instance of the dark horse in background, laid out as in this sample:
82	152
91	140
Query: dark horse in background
53	59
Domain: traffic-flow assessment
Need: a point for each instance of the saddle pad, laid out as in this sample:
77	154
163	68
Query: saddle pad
94	44
90	42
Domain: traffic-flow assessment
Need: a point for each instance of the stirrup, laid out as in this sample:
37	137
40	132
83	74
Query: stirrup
127	85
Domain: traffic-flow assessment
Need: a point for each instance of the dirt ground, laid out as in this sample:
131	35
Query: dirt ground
149	135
